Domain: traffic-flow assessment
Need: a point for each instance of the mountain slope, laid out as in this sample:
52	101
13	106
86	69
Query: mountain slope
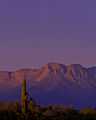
53	83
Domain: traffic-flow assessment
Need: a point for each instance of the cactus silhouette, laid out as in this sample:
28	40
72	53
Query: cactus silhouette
24	97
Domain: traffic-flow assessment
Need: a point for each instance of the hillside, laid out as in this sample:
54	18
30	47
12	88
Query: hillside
52	83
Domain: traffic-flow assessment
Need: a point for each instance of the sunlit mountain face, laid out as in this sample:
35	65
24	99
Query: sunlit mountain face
52	84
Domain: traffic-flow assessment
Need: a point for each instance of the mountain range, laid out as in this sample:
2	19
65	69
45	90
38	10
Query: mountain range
52	84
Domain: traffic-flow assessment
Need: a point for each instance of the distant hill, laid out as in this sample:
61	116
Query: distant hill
53	83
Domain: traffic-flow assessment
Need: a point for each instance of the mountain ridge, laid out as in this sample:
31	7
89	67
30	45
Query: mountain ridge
52	83
69	72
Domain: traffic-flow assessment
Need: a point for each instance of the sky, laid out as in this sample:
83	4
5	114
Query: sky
35	32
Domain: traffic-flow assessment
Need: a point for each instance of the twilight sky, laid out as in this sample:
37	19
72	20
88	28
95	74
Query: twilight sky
35	32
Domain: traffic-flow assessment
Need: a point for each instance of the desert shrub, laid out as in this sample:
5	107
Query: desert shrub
89	111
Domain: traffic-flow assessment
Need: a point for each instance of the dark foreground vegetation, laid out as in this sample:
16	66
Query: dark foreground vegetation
27	109
13	112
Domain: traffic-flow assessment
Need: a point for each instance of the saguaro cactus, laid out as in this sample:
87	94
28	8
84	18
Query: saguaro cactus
24	97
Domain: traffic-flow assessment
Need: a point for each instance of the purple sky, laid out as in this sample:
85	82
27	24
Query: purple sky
35	32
